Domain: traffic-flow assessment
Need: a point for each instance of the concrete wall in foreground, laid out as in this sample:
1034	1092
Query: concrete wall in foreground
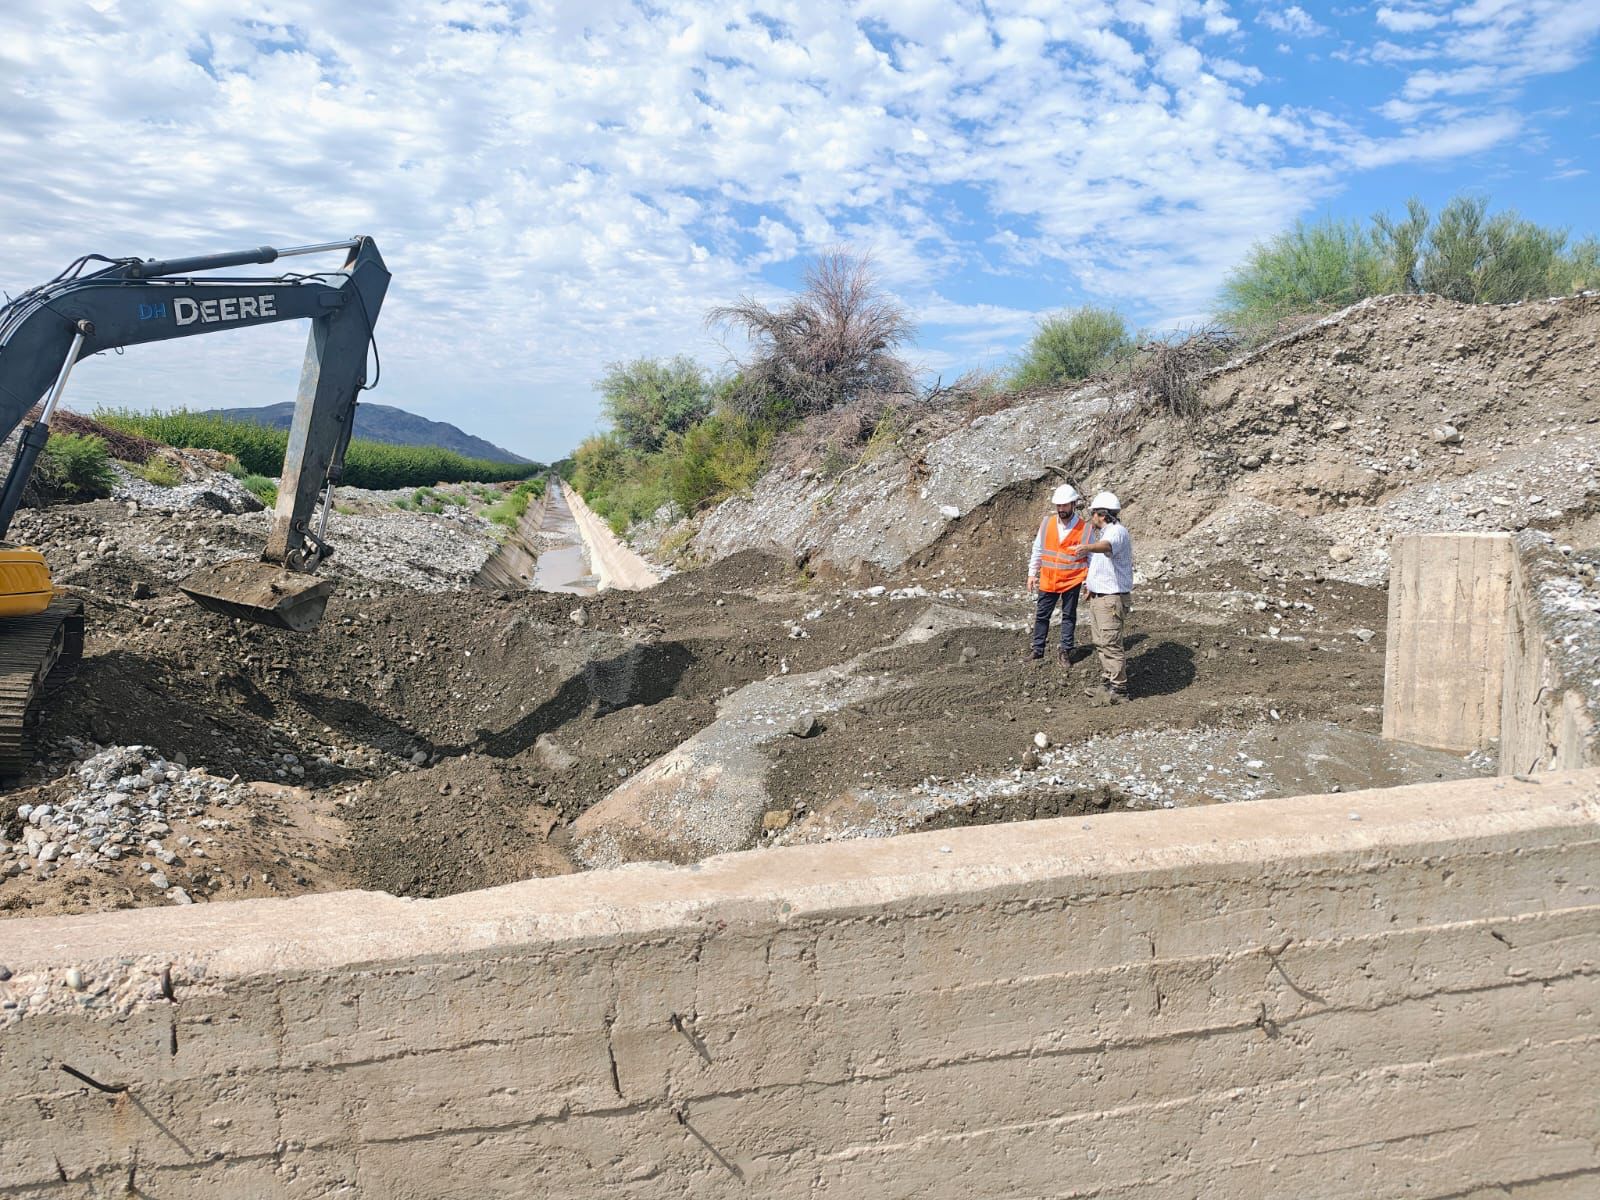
1365	995
1492	642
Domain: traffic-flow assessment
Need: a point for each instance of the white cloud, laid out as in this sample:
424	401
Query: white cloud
1292	20
1407	20
1455	139
562	185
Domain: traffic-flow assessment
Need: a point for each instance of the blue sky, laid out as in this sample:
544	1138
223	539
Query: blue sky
560	185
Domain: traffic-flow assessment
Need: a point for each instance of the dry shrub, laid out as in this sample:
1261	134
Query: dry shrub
1159	379
829	442
833	343
120	444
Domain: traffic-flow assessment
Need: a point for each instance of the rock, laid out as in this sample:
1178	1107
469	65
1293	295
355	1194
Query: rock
968	653
49	852
553	755
5	972
75	979
1250	462
1447	435
1365	635
178	896
778	819
1338	425
579	617
159	881
805	726
1030	758
949	512
419	758
1341	553
1042	740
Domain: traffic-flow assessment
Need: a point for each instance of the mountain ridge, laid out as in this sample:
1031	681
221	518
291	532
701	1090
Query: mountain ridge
388	424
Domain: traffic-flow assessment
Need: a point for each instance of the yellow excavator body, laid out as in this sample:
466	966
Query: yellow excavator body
25	588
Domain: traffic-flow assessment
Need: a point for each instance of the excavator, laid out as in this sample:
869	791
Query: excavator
100	303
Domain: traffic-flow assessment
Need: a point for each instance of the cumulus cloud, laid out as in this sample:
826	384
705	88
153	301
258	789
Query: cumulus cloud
556	186
1407	20
1292	20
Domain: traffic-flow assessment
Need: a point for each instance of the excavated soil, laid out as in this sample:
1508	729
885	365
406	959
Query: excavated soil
432	738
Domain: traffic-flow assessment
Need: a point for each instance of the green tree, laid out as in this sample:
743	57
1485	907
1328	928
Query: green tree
1399	245
1465	253
647	399
1070	346
1481	259
1310	268
1580	269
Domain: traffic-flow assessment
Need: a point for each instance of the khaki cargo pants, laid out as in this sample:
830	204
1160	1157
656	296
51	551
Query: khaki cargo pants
1108	613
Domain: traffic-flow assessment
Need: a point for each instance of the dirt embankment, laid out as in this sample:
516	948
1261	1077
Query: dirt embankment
1405	413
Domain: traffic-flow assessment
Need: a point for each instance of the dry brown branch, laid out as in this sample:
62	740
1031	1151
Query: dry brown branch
1160	380
832	343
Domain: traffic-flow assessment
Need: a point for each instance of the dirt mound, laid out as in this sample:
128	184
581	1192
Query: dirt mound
1400	414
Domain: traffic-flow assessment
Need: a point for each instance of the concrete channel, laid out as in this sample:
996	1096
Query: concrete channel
563	564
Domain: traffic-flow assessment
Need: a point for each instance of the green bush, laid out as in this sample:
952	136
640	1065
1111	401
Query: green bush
260	450
723	455
1311	268
509	511
262	488
159	472
1481	259
1071	346
648	400
75	466
1465	253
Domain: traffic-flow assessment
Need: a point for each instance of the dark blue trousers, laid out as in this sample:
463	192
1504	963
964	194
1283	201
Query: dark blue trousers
1069	617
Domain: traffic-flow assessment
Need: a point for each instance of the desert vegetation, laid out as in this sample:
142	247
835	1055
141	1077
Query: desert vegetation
822	383
681	436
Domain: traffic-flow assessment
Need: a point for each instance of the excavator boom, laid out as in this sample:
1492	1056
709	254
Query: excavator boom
45	331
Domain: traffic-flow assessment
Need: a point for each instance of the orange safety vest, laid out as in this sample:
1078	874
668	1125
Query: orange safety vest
1058	570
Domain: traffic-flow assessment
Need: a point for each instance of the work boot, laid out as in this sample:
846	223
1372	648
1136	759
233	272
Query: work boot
1064	656
1033	656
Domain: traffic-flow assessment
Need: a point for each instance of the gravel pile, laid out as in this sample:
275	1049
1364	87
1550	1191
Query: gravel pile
421	552
217	490
120	804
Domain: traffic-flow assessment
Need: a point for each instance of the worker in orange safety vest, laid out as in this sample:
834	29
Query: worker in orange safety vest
1056	573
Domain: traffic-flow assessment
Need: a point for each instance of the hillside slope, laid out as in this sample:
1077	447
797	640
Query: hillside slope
1405	413
385	423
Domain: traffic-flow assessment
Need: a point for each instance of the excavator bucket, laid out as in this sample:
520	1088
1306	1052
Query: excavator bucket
262	592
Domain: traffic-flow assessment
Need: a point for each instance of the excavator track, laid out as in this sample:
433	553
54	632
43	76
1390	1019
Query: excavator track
30	649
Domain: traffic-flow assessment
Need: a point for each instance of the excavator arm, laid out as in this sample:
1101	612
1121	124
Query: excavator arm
47	330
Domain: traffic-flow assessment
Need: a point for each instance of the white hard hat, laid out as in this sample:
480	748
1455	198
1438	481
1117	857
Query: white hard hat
1105	500
1065	494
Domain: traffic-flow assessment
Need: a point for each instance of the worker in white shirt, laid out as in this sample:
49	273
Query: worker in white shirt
1109	588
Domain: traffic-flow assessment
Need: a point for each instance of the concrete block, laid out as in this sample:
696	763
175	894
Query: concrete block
1444	664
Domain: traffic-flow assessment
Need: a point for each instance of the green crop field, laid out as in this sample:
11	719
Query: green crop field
260	451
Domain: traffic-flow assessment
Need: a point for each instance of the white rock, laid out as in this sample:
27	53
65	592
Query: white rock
1042	740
